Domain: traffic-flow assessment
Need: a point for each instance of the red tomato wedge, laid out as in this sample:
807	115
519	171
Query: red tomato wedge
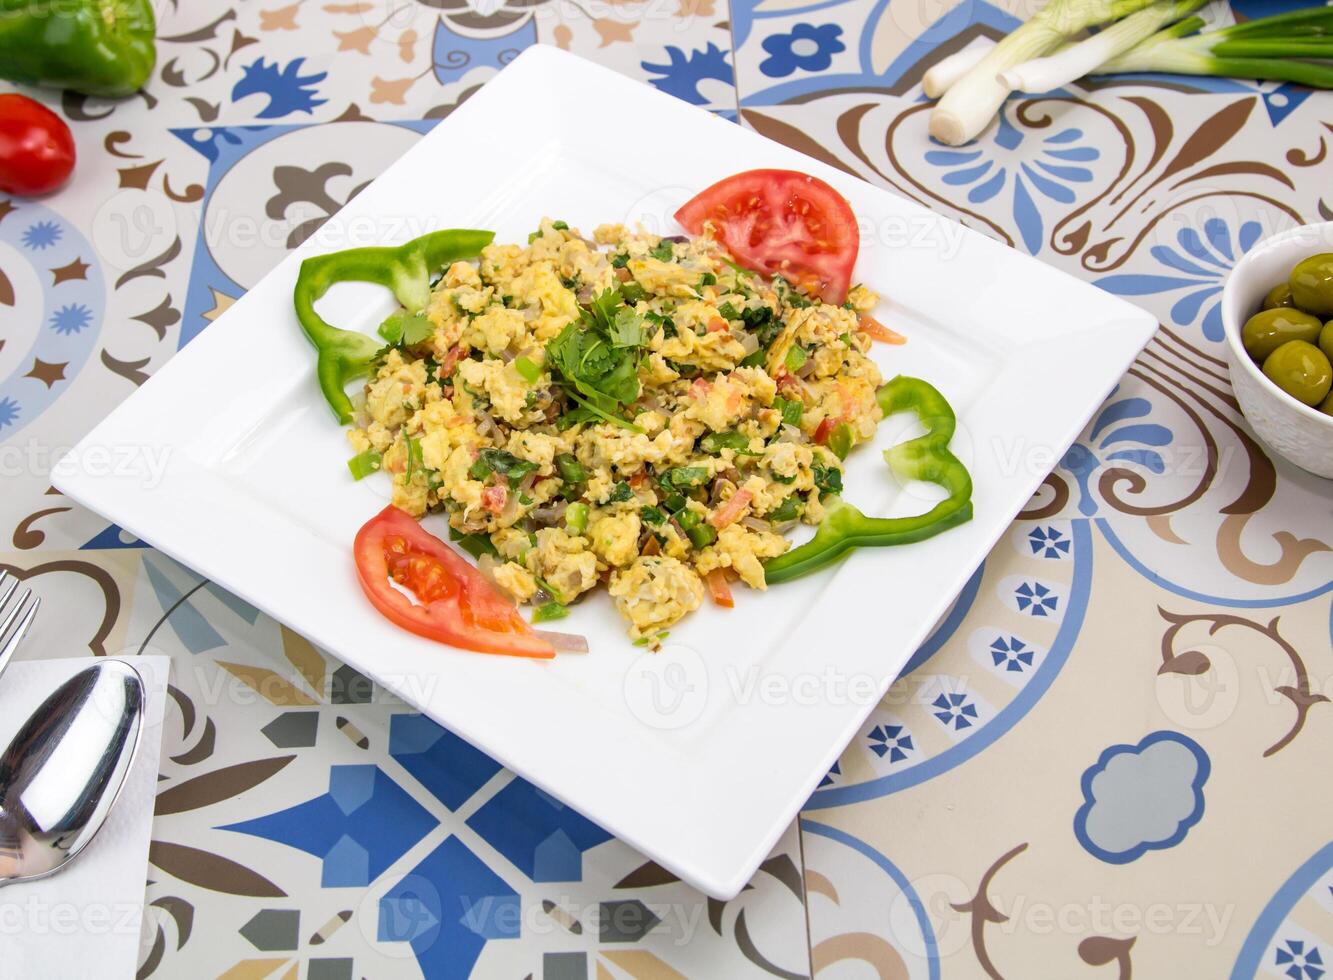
877	331
781	222
457	604
719	589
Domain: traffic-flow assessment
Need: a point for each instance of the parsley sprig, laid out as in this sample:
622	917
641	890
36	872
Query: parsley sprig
596	360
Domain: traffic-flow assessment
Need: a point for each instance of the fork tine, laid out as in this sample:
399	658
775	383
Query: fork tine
11	614
28	607
8	588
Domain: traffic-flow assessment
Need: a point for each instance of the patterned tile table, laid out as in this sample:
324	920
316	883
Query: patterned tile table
1108	756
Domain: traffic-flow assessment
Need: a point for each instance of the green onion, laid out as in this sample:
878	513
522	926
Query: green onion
576	517
701	534
972	101
548	611
728	312
796	356
943	74
413	458
364	464
1076	60
1270	48
527	368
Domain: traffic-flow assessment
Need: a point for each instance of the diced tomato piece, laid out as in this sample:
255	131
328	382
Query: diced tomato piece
494	498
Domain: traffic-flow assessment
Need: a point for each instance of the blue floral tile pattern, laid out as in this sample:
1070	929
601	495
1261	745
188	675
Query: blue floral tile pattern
1200	263
1054	167
1294	959
806	47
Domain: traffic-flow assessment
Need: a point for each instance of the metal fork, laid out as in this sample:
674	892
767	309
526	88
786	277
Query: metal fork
15	616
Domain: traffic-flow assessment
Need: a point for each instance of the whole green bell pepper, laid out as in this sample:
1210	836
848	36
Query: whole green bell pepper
406	270
98	47
925	458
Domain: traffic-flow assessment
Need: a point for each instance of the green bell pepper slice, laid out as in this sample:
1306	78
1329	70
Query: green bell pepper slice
98	47
925	458
405	270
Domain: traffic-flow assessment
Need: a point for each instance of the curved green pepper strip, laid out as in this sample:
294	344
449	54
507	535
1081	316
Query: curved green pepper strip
924	458
98	47
406	270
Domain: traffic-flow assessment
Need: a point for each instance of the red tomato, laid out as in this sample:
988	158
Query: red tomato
719	590
458	605
36	147
781	222
822	431
877	331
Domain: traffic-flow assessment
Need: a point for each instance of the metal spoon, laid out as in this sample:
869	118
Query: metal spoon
62	771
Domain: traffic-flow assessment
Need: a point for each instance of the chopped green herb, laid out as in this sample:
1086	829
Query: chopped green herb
406	329
559	226
627	329
549	611
620	493
527	368
364	464
619	261
663	251
632	292
652	515
598	376
828	479
502	463
788	510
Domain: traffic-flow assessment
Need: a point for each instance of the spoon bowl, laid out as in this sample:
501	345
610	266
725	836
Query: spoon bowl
64	768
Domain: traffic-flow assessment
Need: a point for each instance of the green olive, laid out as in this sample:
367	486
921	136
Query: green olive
1326	340
1268	330
1301	370
1312	284
1326	406
1279	295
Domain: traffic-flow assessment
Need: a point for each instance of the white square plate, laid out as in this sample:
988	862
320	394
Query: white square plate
699	755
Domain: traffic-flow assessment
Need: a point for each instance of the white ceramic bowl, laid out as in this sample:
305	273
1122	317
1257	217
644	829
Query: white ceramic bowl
1302	434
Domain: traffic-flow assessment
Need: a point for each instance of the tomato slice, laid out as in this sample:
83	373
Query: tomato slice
456	603
781	222
719	589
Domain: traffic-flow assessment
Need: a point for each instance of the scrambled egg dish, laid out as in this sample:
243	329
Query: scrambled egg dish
626	410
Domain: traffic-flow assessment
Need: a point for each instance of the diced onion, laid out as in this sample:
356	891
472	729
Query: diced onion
564	642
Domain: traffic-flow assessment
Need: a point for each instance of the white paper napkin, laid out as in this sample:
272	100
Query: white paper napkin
85	920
